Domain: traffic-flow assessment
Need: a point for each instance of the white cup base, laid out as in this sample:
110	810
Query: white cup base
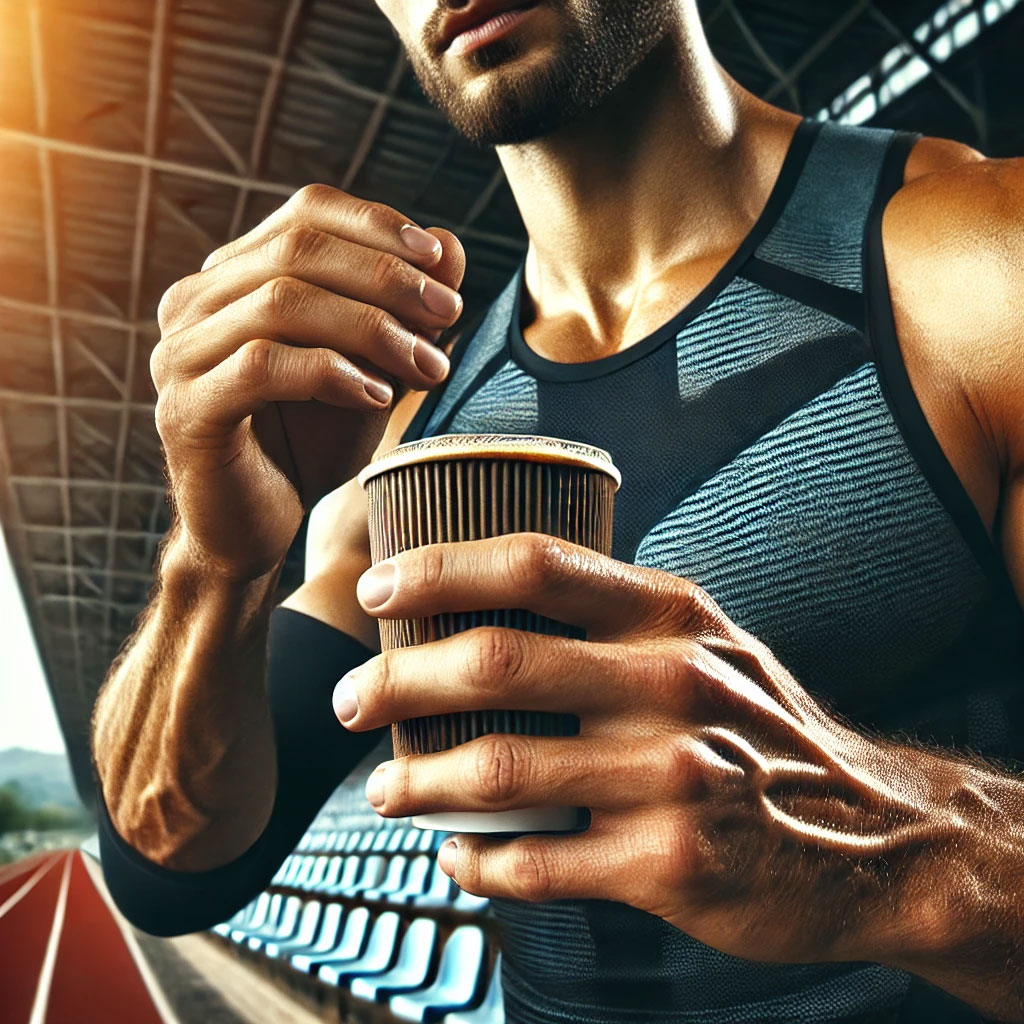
519	819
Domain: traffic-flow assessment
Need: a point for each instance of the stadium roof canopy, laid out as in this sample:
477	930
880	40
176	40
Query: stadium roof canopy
138	135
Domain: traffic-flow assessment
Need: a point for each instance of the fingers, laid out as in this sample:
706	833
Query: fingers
291	310
347	216
566	582
263	371
490	667
504	771
604	862
352	269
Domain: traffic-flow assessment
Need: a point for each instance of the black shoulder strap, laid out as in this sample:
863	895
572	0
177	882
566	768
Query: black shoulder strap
896	387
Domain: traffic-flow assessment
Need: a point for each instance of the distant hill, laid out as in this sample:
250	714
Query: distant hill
41	778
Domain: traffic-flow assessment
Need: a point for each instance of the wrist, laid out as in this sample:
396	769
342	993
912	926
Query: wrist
931	896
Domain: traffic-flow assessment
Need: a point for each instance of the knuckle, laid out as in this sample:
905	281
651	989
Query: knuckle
664	673
497	769
534	560
531	872
432	569
171	304
166	414
293	246
252	363
679	766
280	298
387	273
496	657
311	196
375	217
158	365
380	697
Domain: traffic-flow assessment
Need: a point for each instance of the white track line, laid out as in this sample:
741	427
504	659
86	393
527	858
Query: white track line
11	901
38	1015
156	993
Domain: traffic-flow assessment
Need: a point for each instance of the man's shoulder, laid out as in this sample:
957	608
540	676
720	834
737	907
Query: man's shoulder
957	217
953	240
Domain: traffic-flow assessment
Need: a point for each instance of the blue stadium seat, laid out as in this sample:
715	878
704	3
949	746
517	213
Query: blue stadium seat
316	873
342	839
353	841
304	935
348	876
411	968
239	920
428	839
282	929
381	839
412	839
372	875
415	881
395	840
441	892
348	946
457	983
491	1010
327	936
380	950
268	912
392	880
367	841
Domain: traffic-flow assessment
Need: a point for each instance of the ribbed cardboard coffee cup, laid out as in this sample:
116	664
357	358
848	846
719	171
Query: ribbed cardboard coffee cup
458	487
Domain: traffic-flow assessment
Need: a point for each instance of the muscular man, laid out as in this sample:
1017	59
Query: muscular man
800	693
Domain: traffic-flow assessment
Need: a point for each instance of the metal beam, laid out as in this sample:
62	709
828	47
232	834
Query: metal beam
41	97
157	56
131	486
761	53
71	401
817	48
267	104
372	127
225	178
73	315
311	69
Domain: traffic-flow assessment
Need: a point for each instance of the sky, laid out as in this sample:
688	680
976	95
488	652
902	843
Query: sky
27	718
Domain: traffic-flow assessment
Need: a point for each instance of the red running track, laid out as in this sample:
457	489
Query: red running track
63	958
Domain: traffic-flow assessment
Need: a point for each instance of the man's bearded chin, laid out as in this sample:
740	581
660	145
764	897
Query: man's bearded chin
526	97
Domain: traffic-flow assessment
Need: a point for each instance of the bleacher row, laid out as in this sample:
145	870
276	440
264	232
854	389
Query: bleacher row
370	914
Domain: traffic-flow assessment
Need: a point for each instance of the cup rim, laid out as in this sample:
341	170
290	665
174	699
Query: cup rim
527	447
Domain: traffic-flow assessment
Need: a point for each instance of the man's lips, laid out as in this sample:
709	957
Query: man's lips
479	33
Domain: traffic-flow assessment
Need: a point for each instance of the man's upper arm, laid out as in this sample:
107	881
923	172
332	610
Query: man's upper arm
954	249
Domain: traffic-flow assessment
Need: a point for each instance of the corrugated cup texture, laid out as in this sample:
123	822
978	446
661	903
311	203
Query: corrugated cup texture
466	487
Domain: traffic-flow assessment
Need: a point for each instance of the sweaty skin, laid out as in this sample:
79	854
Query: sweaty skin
772	831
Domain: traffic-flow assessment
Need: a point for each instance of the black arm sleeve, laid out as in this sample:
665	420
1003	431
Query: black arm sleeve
314	754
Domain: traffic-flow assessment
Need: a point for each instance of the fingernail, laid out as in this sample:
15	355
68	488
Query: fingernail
429	359
376	585
345	704
377	391
439	299
448	856
375	787
421	242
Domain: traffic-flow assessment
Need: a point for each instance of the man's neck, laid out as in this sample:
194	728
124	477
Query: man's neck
635	205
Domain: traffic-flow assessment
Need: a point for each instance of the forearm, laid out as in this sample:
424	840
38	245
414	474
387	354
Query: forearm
954	910
183	737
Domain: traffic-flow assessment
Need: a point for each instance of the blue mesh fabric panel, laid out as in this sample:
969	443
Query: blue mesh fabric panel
489	338
506	404
759	325
820	233
797	539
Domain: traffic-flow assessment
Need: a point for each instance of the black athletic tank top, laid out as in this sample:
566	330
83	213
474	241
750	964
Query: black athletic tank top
772	450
